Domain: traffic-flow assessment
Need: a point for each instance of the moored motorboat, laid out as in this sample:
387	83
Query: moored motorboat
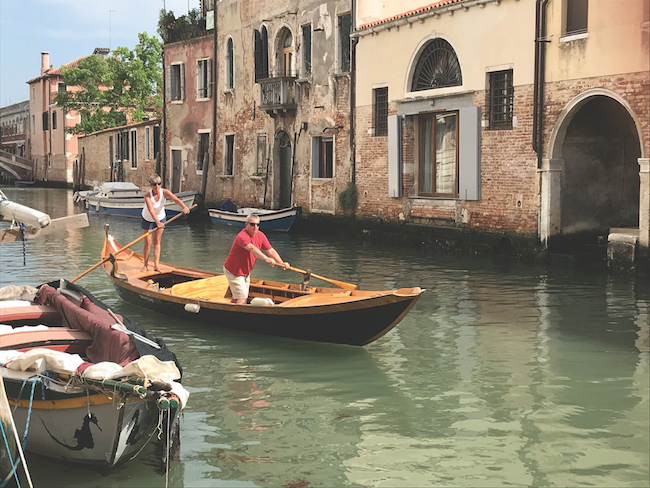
87	385
125	199
276	220
296	311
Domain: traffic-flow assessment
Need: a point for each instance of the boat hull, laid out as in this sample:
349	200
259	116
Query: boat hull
275	220
132	207
59	426
356	323
65	415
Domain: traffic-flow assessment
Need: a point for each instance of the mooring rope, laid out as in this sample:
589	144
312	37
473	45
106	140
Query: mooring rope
14	471
23	230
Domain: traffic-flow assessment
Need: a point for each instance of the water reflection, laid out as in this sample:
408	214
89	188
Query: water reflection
502	373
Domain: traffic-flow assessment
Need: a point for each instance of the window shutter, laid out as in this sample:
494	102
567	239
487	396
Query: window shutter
265	53
199	80
258	55
315	157
469	153
170	82
209	77
394	156
182	81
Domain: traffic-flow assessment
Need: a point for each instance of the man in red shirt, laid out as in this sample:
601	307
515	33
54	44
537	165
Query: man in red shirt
246	248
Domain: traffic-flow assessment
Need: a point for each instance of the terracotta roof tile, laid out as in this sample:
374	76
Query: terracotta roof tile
57	71
419	10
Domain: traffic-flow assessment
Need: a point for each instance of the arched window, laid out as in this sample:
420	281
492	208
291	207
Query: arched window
286	45
230	65
437	67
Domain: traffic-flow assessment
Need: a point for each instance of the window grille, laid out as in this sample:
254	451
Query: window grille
380	111
500	99
437	67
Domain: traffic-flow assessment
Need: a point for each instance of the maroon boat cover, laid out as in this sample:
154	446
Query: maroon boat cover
108	344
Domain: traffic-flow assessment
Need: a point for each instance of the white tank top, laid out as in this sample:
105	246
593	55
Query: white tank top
158	207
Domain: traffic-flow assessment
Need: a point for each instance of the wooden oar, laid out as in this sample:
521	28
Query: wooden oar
126	247
340	284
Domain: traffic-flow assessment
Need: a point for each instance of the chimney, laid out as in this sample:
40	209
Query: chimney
45	62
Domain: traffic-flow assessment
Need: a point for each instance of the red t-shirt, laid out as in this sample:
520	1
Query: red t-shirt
240	261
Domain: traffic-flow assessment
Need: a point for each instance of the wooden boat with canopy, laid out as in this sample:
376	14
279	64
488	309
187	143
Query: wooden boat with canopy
299	311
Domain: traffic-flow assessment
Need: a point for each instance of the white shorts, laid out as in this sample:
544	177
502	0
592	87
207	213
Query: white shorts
239	285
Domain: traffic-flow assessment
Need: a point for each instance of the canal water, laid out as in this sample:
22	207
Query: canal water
502	374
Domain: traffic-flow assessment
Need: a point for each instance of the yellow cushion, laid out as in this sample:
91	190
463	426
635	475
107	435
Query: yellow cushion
212	288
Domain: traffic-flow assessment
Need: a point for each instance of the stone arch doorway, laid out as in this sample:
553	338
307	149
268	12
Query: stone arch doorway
591	181
282	174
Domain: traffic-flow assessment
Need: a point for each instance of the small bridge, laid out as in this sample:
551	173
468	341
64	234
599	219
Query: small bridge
14	167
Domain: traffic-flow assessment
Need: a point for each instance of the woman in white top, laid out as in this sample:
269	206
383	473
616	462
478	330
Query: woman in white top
153	217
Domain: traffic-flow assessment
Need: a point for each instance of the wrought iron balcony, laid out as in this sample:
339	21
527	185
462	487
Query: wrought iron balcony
278	93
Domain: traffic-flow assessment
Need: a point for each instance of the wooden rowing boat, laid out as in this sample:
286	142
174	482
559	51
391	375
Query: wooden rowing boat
73	408
334	315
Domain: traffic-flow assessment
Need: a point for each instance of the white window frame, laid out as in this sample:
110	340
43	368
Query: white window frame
203	75
176	69
206	151
316	144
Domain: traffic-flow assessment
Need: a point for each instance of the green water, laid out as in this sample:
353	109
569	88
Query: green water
501	375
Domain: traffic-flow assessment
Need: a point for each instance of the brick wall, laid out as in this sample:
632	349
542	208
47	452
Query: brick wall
509	179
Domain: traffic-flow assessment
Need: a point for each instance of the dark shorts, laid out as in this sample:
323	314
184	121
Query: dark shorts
146	225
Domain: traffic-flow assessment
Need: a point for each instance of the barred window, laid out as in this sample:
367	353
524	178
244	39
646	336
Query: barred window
500	99
380	111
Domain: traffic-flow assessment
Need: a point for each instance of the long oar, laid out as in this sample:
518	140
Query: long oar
340	284
126	247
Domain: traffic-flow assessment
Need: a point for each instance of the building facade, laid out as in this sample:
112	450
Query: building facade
14	129
128	153
519	116
282	91
53	150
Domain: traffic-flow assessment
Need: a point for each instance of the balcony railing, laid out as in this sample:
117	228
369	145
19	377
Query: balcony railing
278	93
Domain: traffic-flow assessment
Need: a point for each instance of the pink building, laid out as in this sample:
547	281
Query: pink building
52	149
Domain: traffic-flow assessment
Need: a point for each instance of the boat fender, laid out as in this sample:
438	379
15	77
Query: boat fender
262	302
192	307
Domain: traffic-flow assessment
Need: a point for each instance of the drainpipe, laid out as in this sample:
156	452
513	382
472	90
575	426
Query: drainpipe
48	87
164	120
540	65
204	178
353	98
